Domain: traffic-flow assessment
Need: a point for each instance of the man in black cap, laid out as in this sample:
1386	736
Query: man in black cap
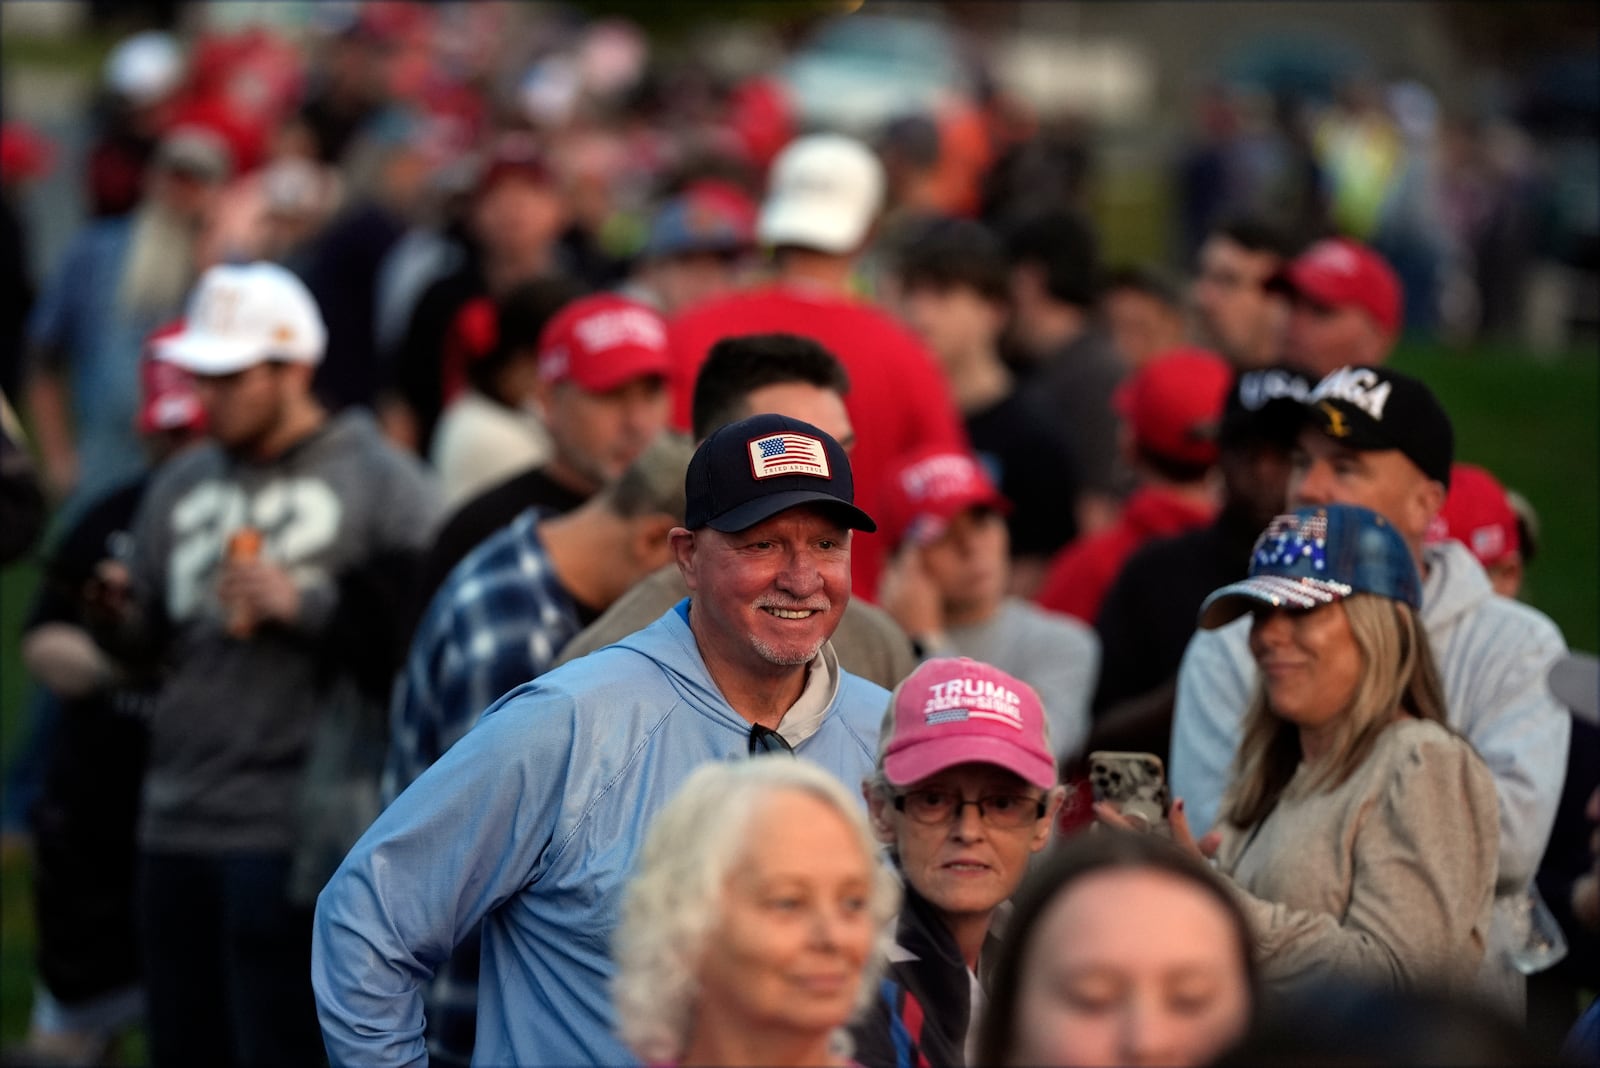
529	825
1380	439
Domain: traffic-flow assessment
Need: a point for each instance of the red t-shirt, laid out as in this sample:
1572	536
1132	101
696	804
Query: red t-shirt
899	399
1081	573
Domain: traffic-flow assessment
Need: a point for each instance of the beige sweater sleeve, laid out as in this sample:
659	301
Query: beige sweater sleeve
1421	873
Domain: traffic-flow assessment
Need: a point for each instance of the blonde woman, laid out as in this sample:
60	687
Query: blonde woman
756	920
1361	830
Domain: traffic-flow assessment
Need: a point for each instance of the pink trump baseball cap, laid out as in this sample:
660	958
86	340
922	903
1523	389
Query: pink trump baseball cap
960	711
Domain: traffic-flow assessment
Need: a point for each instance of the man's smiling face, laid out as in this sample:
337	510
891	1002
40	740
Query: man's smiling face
768	596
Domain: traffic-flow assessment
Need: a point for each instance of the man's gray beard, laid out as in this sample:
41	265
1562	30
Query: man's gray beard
159	267
771	655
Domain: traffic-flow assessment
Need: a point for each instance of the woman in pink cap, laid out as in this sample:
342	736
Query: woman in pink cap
964	794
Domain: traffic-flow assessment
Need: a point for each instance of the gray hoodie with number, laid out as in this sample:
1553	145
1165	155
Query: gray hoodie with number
231	728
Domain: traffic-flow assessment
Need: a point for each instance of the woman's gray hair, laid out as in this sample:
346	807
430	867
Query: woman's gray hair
679	882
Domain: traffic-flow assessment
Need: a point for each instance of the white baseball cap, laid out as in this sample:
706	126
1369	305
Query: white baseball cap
824	192
245	314
144	67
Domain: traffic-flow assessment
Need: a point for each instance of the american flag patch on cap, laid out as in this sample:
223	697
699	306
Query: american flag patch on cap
788	454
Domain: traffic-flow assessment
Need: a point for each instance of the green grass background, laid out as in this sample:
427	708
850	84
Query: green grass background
16	909
1533	423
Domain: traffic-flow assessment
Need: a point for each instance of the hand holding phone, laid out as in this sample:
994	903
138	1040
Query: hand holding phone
1136	783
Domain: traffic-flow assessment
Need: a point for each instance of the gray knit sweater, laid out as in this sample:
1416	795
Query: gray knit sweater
1387	878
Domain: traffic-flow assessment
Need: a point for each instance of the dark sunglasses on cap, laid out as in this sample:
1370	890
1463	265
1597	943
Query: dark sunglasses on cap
767	740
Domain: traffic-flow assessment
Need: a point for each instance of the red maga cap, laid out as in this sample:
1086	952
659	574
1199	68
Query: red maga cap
1174	404
602	342
1341	273
931	486
1477	513
167	397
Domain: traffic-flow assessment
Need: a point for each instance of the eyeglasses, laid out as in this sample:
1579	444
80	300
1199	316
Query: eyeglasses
767	740
945	806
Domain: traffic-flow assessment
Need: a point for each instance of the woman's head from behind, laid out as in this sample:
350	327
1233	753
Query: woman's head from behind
965	788
1122	950
1333	594
757	908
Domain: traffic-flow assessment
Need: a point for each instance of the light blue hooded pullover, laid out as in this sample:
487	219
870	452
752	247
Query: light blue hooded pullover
530	825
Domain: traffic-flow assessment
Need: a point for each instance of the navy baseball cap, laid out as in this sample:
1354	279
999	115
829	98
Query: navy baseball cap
1318	555
749	471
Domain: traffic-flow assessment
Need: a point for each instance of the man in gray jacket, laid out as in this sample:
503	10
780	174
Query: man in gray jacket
257	580
1380	439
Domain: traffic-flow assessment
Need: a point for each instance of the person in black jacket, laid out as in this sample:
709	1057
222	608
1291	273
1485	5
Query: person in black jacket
1150	611
964	794
22	503
83	821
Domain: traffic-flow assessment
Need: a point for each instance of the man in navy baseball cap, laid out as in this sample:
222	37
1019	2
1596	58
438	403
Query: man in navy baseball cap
742	669
765	551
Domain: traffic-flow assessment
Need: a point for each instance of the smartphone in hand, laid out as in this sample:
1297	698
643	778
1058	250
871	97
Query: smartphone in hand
1136	783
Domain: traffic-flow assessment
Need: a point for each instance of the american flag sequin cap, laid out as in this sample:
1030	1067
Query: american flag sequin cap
1318	555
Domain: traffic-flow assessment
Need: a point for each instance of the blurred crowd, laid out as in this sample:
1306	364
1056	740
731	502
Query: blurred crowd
464	439
1465	210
